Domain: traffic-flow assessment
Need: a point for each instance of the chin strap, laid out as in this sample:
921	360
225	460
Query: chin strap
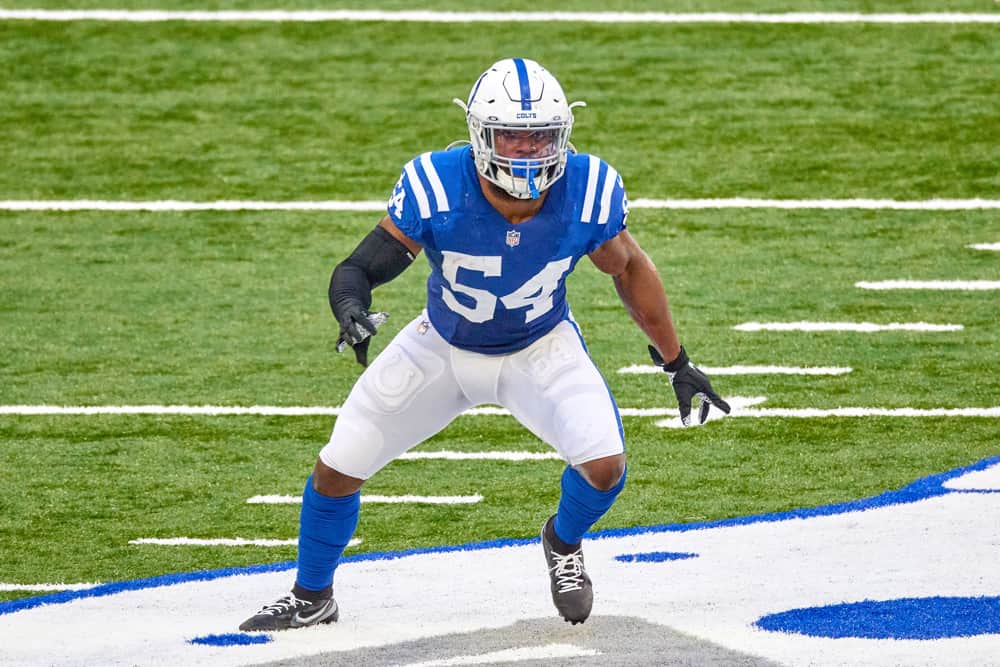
531	184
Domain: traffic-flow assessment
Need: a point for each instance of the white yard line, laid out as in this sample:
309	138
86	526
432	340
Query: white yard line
173	205
207	410
867	204
398	500
377	206
807	413
863	327
221	542
274	411
968	285
646	369
310	16
817	413
47	587
738	403
984	246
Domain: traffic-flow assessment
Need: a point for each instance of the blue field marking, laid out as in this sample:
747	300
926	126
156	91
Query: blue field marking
922	489
654	557
928	487
232	639
905	618
139	584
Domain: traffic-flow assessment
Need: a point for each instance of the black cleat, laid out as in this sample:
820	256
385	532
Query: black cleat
291	612
572	592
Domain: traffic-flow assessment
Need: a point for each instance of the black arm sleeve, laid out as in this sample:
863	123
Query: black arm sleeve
379	258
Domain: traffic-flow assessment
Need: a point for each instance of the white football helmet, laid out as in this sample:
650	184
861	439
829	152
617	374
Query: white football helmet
519	125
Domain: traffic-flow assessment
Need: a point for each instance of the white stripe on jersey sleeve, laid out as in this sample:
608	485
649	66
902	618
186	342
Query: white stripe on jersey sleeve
418	190
609	186
593	167
440	197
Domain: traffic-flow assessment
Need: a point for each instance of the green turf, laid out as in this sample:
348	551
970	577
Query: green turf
230	308
864	6
224	308
326	111
97	483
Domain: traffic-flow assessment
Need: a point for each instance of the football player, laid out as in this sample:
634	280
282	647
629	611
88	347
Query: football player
502	222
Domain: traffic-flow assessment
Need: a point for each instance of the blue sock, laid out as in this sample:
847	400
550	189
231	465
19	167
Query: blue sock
581	505
325	527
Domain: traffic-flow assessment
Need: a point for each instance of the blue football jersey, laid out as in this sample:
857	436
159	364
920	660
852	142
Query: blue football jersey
496	287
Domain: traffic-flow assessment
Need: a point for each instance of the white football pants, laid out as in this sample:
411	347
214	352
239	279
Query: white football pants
420	383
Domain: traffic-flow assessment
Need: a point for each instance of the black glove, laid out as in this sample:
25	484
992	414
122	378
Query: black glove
357	326
689	382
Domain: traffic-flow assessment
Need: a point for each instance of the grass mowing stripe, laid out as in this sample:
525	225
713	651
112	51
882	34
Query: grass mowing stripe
378	206
314	16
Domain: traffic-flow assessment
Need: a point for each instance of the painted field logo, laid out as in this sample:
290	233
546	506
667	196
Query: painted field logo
907	577
513	238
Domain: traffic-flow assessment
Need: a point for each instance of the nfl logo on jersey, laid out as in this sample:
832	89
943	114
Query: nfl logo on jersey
513	237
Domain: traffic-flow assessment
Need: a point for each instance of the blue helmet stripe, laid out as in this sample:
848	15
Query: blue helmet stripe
522	79
475	89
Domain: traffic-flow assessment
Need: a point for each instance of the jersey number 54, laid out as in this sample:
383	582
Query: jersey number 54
535	294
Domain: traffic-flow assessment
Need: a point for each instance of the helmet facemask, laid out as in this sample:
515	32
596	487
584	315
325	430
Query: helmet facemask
522	161
519	126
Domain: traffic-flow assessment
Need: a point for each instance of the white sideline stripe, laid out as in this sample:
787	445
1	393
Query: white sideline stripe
971	285
309	16
395	500
222	542
864	327
984	246
447	455
511	655
378	206
647	369
48	587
